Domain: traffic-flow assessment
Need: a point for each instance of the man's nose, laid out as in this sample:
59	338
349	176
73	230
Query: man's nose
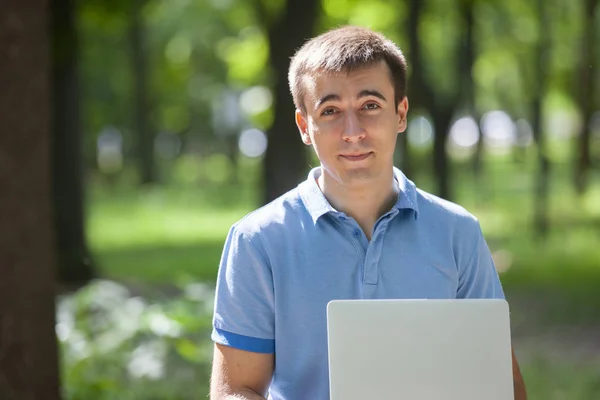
353	130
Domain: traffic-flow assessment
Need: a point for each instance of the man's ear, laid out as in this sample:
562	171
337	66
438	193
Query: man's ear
302	124
402	114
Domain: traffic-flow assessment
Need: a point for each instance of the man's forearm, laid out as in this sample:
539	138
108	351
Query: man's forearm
243	395
520	391
518	382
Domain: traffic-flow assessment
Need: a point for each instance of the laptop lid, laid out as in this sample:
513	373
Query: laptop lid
419	349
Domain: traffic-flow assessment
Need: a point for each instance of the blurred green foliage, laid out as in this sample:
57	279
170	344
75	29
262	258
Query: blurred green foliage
154	243
171	234
122	343
198	51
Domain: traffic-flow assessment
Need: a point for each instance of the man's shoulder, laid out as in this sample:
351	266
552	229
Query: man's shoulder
443	211
273	216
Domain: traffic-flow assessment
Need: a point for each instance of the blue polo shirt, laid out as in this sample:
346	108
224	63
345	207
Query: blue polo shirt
284	262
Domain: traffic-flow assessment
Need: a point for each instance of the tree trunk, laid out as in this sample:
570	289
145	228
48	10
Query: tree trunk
403	155
422	95
142	113
74	260
467	8
586	98
28	351
540	222
232	147
442	118
286	159
467	91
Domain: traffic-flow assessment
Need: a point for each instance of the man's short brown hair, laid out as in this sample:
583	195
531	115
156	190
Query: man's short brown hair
343	50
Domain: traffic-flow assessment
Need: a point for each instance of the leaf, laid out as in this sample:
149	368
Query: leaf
188	350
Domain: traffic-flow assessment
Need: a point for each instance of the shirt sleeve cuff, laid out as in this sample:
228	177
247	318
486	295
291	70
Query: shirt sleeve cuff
242	342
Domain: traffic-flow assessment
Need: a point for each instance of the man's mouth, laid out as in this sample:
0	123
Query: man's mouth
356	156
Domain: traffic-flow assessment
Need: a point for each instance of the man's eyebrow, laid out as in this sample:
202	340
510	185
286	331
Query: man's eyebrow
371	92
363	93
326	98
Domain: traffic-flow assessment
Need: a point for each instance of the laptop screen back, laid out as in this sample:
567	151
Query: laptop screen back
419	349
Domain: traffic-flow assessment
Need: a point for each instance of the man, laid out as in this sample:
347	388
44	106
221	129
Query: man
356	228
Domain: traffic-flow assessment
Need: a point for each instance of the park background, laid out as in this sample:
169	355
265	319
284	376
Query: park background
135	132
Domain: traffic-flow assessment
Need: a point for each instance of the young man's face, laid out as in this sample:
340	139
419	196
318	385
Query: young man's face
352	122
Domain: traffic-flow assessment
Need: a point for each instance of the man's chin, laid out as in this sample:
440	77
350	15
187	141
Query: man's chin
351	174
358	174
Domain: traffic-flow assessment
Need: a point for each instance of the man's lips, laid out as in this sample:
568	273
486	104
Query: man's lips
356	156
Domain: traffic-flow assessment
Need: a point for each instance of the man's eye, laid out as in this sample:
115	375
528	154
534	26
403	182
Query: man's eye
328	111
371	106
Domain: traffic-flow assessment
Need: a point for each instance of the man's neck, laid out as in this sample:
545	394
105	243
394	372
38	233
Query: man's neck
365	202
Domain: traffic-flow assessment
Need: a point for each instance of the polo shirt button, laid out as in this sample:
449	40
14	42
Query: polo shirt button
356	233
342	218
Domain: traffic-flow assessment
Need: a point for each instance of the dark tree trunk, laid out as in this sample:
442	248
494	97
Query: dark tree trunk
442	118
468	84
28	351
422	95
74	260
586	98
540	222
467	91
142	113
231	143
403	154
286	156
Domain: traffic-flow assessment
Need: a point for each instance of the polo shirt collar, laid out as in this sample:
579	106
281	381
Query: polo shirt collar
317	205
408	193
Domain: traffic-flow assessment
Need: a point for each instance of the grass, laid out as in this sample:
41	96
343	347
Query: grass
155	234
561	381
159	235
163	235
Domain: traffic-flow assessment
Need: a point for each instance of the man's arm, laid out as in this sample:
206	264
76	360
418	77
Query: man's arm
518	383
239	374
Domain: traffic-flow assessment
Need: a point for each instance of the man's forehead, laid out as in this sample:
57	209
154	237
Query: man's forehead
316	81
321	83
319	78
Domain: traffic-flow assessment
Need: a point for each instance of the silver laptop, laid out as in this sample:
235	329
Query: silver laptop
419	350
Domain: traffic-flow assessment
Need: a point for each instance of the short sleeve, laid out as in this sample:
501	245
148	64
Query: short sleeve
479	277
244	315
